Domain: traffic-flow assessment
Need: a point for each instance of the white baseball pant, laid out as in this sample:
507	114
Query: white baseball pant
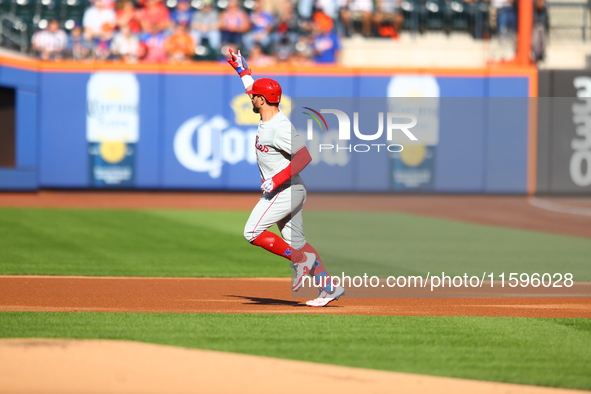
284	208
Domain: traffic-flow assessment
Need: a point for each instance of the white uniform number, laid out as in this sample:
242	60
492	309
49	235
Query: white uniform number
580	162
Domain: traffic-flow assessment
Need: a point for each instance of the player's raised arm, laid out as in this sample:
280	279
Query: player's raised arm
238	62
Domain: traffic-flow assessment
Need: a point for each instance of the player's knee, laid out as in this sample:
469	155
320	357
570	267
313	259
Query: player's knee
250	235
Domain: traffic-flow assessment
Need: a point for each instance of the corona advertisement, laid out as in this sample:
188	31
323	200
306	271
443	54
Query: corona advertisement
112	128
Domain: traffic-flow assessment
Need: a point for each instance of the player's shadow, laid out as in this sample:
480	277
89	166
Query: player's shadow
267	301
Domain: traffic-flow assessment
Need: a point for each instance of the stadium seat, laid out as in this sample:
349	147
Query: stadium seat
434	14
204	52
221	4
13	29
5	6
24	9
458	13
49	9
72	11
480	20
410	11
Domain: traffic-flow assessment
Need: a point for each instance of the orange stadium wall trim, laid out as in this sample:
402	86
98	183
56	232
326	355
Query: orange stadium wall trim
106	125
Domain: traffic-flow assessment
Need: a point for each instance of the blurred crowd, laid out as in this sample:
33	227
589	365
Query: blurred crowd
267	31
148	31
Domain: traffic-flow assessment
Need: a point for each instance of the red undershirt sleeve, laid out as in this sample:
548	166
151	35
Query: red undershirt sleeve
298	162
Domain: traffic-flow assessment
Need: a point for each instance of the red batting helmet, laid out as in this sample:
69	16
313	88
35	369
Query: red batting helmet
268	88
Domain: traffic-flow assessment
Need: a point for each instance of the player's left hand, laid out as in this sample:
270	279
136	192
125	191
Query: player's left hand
268	186
239	63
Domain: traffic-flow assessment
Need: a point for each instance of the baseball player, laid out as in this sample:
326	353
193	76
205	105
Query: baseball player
281	156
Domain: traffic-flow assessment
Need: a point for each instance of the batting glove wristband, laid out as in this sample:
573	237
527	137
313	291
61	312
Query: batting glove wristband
239	63
268	186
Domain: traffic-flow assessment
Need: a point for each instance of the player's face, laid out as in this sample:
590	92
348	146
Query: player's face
257	101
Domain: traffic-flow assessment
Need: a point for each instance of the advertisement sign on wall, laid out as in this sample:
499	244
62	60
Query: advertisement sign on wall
413	169
112	128
198	132
564	122
580	160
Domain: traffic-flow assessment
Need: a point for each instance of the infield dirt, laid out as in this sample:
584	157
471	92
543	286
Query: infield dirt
71	366
247	295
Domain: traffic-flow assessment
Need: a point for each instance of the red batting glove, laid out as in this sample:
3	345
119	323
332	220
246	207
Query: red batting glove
238	62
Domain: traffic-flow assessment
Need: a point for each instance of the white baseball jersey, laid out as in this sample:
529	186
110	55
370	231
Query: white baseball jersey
276	141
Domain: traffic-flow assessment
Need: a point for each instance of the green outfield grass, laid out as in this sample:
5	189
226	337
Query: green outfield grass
130	243
547	352
387	243
210	244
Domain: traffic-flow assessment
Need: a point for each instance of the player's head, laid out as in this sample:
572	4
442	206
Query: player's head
268	88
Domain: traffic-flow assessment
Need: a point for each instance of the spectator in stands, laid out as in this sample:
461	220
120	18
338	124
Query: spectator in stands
78	48
180	46
205	26
357	10
95	18
284	49
102	45
127	15
388	18
506	26
506	16
182	14
50	43
233	23
125	45
262	24
306	8
325	40
286	31
273	7
152	45
258	58
303	53
154	13
329	7
540	30
110	4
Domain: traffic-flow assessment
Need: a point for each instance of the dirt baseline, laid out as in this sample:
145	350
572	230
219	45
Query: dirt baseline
247	295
